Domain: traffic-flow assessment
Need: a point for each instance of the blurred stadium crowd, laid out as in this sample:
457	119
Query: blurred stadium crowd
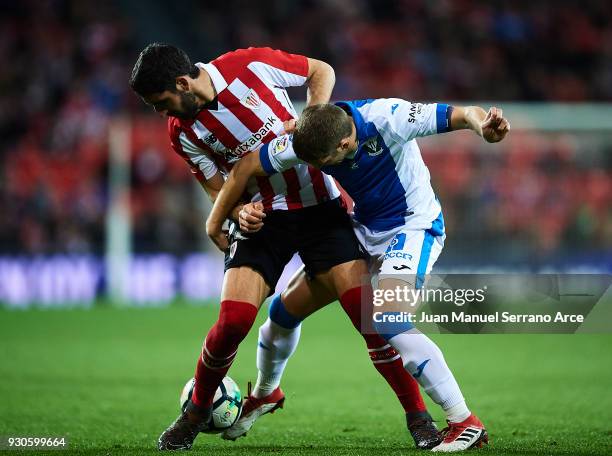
64	78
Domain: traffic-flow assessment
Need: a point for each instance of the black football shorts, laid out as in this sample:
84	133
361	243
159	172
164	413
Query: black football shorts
322	235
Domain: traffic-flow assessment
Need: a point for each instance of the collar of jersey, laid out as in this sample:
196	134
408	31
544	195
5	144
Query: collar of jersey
217	79
365	130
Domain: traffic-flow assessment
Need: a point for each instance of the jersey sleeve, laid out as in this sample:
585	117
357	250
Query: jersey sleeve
278	155
198	157
406	120
278	68
200	162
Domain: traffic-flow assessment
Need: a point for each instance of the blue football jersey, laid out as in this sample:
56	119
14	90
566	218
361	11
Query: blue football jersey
386	176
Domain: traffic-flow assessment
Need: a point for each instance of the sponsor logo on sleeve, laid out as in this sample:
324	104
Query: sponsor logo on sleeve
415	110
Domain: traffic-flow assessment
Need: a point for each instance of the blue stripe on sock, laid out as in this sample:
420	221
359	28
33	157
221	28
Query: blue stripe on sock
279	315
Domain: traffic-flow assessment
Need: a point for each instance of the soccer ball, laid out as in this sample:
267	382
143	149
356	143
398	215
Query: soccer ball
227	404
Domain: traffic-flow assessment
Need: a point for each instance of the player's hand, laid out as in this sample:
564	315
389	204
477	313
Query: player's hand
494	126
289	126
217	235
250	217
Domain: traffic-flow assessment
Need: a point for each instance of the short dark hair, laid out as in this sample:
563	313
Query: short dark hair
157	68
319	130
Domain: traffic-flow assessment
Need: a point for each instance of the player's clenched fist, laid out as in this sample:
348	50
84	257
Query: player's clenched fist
250	217
494	126
289	126
250	220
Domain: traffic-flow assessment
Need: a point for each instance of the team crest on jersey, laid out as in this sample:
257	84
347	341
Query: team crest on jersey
251	100
281	145
373	147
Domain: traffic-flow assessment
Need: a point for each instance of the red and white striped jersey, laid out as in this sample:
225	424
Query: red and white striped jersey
250	109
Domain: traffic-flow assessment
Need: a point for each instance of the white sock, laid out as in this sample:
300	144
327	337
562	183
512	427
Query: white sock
457	413
275	347
424	361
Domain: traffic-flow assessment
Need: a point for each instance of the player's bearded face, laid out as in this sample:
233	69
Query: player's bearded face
188	106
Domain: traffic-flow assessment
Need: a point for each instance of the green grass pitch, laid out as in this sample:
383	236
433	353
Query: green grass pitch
110	378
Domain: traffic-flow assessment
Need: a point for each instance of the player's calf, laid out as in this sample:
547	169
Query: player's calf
388	363
384	357
219	349
278	338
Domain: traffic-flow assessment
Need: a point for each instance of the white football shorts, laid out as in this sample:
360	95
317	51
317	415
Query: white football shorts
403	251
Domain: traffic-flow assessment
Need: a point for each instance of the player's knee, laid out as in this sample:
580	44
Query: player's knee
281	316
235	321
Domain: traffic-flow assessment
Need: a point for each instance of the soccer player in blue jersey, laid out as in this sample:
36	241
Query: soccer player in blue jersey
369	147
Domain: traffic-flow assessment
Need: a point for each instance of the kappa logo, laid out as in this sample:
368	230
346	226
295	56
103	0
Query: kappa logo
420	368
281	144
373	147
251	100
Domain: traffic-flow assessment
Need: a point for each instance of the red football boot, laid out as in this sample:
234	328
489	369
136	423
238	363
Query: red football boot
470	433
252	409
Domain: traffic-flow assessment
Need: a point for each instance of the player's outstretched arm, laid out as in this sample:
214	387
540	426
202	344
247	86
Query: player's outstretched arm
491	125
229	195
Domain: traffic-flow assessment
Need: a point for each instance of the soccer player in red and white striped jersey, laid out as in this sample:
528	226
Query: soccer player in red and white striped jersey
250	109
218	112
